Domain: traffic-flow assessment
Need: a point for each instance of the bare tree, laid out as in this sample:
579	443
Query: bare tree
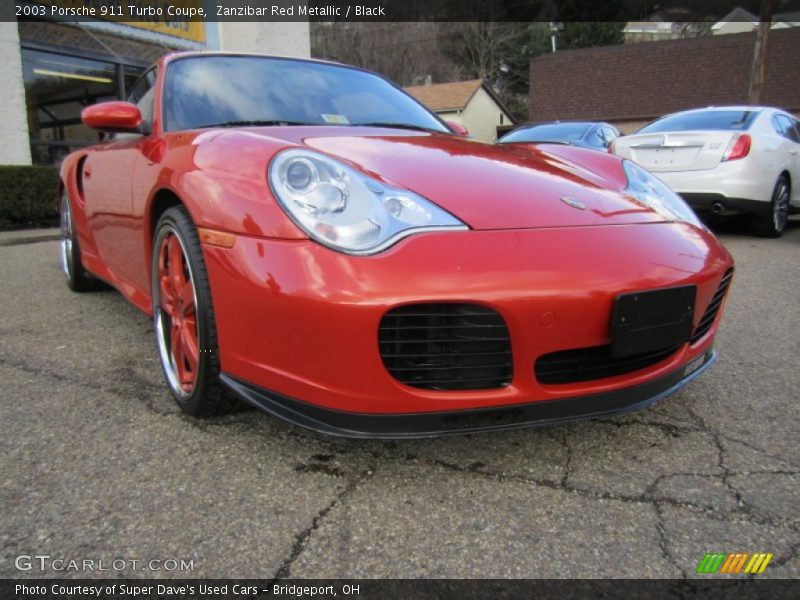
407	53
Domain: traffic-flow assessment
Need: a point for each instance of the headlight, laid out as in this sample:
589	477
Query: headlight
346	210
651	191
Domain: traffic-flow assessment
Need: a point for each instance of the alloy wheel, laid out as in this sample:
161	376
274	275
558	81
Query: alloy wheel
175	314
780	207
66	238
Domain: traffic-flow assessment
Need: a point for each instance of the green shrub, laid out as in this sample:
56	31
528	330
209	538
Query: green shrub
28	195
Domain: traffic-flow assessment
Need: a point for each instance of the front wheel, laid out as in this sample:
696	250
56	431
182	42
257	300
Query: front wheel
183	317
773	223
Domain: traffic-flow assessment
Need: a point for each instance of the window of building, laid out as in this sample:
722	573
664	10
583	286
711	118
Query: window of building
57	88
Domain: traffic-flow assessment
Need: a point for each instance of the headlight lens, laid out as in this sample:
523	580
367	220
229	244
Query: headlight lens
651	191
346	210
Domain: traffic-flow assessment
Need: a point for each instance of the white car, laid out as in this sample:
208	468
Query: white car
727	160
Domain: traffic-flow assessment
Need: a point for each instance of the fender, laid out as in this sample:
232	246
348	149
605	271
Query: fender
221	178
68	181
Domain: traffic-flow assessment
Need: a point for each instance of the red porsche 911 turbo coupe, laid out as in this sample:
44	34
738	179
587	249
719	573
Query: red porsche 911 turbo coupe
310	239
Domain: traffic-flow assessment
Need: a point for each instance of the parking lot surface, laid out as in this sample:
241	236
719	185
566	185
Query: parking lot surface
98	462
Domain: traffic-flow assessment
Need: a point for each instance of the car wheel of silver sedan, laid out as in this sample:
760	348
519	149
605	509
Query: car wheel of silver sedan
773	223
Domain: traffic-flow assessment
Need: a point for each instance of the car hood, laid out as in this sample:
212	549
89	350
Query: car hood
487	186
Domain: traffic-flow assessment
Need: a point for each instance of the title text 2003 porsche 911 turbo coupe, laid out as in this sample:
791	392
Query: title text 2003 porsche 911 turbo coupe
311	240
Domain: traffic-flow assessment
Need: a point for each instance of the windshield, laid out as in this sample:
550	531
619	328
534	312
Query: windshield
557	132
705	120
205	91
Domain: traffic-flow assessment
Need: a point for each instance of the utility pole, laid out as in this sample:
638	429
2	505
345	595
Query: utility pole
555	27
756	88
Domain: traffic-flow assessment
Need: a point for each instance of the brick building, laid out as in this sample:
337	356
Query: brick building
630	85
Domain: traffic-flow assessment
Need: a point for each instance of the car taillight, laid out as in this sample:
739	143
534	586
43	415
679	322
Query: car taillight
738	148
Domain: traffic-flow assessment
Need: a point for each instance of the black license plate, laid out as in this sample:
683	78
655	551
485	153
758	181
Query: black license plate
653	320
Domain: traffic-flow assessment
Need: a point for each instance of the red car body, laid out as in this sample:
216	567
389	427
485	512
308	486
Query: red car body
298	323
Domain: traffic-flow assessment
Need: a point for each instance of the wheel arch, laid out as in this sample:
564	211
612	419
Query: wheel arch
60	192
163	200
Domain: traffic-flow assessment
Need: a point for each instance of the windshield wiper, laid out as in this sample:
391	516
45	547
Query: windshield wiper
393	125
252	124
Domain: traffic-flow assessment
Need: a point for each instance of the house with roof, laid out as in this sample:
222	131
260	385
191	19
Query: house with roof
666	24
472	104
629	85
680	24
656	31
740	20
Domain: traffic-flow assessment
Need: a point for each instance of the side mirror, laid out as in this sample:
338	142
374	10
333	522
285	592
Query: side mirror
458	128
114	117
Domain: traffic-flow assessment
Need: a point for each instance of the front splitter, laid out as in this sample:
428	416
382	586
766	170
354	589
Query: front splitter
434	424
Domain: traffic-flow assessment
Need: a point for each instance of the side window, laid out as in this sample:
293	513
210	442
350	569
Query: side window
143	94
596	138
610	135
786	127
144	83
146	104
778	125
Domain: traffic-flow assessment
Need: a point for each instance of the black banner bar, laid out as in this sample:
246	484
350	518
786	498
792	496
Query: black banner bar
381	10
721	588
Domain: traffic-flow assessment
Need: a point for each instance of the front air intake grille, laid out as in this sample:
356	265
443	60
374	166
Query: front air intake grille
446	347
713	307
586	364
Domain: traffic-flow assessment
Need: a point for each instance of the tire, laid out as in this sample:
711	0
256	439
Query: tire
183	318
773	224
78	278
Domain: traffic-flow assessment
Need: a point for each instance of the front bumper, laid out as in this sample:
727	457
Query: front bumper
302	321
421	425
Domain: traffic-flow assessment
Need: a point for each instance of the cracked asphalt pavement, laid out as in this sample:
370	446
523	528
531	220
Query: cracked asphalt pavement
98	463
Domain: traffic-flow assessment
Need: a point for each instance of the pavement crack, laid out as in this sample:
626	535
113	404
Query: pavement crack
646	498
301	539
721	462
317	467
143	391
568	461
663	541
788	557
668	428
755	448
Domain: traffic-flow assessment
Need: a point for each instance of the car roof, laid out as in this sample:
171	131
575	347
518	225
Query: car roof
587	123
201	53
742	107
